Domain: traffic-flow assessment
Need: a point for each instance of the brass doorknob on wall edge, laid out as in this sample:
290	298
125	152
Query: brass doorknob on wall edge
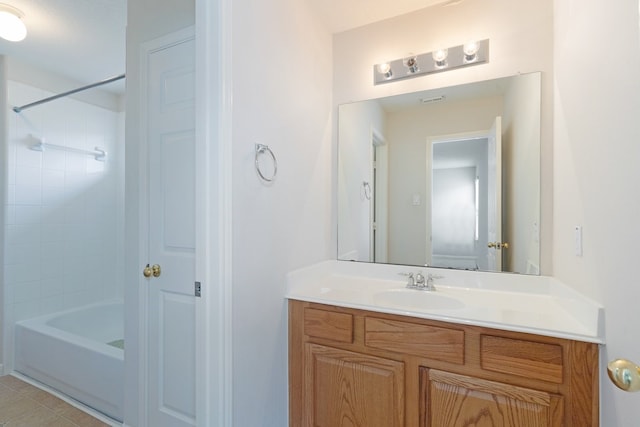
498	245
624	374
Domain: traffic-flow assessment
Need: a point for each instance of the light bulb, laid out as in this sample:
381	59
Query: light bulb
385	70
11	26
470	50
440	57
411	62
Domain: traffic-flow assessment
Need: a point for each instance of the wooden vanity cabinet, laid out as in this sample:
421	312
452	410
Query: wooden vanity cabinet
360	368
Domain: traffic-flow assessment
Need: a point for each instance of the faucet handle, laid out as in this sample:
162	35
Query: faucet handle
432	276
420	279
410	280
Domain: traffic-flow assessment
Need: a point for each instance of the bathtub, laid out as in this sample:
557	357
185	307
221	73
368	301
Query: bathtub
70	352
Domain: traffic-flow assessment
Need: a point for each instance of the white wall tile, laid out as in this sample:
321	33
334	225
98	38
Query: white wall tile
53	233
28	195
26	310
26	291
25	156
22	235
22	254
62	208
22	272
54	159
27	215
28	176
53	303
52	287
10	214
11	194
52	177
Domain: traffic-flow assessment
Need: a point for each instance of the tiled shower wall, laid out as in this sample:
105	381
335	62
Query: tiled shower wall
64	210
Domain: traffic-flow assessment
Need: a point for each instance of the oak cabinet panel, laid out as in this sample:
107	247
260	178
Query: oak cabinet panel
327	324
522	358
454	400
346	389
437	343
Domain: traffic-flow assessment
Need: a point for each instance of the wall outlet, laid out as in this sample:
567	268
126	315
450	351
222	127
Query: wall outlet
416	200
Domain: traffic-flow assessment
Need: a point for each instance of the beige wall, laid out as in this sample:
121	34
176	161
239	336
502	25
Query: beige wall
521	183
281	59
596	174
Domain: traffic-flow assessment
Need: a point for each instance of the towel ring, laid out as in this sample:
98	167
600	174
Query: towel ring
367	190
260	149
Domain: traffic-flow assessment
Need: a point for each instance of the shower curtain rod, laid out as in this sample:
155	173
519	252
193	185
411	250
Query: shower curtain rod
71	92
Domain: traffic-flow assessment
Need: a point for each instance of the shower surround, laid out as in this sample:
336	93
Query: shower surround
63	209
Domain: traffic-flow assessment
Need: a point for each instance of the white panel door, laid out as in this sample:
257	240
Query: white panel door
494	182
171	176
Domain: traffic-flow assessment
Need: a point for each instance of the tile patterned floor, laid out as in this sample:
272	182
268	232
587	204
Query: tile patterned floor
23	405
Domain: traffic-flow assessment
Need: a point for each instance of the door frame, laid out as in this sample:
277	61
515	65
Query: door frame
379	202
431	141
214	212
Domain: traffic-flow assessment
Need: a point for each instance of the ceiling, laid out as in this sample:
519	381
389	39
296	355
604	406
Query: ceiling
342	15
85	39
80	39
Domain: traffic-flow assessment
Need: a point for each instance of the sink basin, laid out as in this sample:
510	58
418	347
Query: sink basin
415	299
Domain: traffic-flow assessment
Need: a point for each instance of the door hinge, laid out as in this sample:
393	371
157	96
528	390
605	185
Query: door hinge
198	289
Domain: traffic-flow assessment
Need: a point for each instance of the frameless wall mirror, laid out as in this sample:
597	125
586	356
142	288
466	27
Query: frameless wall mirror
443	178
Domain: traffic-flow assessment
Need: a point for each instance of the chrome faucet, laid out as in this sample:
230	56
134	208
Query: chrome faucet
419	281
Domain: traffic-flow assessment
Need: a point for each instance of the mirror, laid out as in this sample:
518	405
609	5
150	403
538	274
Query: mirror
443	178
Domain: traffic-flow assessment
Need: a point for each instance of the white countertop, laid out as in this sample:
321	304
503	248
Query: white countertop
531	304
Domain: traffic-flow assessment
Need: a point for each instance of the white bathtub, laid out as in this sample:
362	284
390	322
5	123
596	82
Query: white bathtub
69	352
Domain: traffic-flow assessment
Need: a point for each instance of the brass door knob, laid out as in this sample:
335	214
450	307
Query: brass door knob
624	374
154	271
498	245
147	272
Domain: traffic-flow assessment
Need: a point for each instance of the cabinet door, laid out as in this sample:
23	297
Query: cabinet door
344	388
452	400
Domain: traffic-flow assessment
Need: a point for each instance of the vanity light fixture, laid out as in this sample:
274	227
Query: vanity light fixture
468	54
11	26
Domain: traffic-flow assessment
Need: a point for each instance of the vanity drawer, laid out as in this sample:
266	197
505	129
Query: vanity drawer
433	342
527	359
328	324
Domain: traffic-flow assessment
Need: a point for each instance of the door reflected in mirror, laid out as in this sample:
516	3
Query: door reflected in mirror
444	178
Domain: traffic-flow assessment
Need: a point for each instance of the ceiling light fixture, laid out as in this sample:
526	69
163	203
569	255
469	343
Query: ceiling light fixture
467	55
11	26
